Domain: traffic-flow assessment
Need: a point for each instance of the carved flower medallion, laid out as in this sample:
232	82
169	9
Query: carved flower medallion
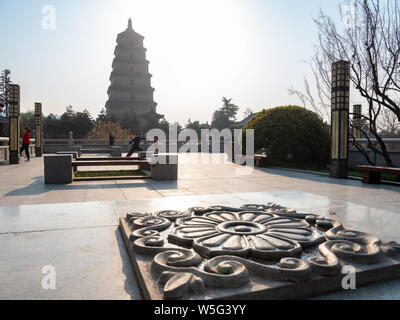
247	234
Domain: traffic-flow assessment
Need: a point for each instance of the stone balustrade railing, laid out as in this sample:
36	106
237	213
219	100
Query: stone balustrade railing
55	145
4	151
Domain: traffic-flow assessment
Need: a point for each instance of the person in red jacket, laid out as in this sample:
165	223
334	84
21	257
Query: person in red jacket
26	140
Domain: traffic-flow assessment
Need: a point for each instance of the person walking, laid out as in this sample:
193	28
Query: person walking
111	139
136	142
26	140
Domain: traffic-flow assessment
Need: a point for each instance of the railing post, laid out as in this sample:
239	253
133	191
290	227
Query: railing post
71	138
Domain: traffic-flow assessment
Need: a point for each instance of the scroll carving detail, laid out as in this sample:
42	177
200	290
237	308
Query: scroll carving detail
224	247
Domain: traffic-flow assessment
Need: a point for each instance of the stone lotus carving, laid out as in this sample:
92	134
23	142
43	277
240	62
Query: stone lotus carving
246	234
222	247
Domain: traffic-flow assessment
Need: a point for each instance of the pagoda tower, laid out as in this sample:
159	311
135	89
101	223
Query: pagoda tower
130	93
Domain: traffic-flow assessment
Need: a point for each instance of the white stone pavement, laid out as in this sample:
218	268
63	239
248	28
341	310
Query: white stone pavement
23	184
75	227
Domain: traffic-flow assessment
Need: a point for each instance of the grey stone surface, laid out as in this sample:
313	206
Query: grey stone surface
116	152
255	252
57	216
89	264
164	158
163	172
23	184
164	166
54	148
58	169
60	234
75	154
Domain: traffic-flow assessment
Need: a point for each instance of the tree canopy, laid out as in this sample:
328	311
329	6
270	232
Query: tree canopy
291	132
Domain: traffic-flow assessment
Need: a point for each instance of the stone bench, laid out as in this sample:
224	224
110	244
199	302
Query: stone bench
108	159
260	160
107	162
74	154
145	154
141	162
109	151
164	167
373	175
58	169
76	149
116	152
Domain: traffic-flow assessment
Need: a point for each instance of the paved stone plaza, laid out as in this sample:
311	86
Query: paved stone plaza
24	184
75	227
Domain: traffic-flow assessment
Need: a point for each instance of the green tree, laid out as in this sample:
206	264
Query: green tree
224	118
197	126
80	123
102	116
291	130
51	128
164	125
27	120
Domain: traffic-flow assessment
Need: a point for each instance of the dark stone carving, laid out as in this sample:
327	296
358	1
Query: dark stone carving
256	251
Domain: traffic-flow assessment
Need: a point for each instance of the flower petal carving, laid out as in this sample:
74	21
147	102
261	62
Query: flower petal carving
245	234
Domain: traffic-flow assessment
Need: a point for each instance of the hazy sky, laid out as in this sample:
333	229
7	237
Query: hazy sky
199	50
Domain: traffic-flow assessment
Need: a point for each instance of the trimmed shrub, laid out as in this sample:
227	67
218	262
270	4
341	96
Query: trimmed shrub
291	132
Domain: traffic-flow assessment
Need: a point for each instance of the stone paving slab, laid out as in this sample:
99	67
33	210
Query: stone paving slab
23	184
34	218
60	231
90	264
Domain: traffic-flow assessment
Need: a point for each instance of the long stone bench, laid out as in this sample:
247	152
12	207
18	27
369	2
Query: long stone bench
373	175
260	160
97	150
74	154
108	162
58	169
143	164
108	159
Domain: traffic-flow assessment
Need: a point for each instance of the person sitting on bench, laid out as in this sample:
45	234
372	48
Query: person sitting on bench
136	142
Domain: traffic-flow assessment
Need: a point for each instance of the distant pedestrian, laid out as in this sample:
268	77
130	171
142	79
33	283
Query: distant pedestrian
26	140
136	142
156	145
111	139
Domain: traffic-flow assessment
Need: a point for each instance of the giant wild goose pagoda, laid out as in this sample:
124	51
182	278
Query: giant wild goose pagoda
130	93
